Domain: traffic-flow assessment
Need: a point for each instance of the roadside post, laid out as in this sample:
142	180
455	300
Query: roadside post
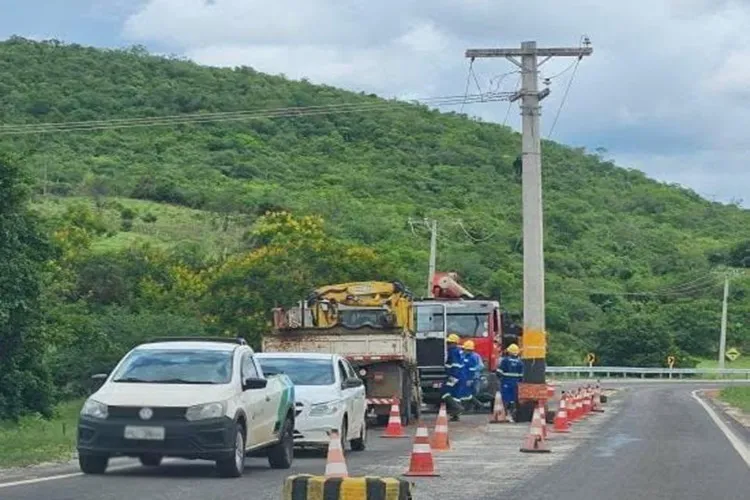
670	362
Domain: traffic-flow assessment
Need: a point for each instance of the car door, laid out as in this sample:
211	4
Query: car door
254	403
347	394
359	397
271	402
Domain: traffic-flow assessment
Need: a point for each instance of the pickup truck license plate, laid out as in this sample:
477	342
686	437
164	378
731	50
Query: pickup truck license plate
436	385
144	433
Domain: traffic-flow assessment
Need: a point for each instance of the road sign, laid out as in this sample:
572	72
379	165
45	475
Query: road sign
732	354
590	358
670	361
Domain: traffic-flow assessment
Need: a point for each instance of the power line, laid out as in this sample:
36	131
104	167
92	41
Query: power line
564	98
468	82
229	116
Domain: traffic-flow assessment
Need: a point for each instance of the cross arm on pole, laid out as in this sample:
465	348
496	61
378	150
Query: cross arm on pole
548	52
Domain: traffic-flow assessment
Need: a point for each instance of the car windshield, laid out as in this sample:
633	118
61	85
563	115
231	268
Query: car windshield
300	370
169	366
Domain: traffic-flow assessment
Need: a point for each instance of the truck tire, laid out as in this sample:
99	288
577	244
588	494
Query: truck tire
234	466
525	412
93	464
281	455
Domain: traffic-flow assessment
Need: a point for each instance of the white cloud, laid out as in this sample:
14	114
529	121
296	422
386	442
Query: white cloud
663	83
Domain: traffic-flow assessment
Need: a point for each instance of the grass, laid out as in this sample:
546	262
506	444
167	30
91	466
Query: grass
173	224
738	396
34	440
741	362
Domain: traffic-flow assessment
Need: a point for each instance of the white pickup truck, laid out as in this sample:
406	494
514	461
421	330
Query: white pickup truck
193	398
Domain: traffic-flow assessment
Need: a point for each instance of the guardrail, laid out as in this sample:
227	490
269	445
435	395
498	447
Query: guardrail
629	371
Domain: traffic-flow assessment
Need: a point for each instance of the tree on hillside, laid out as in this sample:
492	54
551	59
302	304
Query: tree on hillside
24	382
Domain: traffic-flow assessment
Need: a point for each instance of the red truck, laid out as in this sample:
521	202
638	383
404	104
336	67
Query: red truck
453	309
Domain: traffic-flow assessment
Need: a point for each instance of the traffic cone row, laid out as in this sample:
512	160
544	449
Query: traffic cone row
574	405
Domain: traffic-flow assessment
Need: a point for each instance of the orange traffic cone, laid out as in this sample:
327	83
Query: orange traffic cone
561	423
534	441
421	462
440	440
543	418
394	428
498	410
597	407
586	401
576	406
335	464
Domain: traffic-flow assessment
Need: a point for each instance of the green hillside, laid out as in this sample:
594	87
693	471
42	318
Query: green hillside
194	195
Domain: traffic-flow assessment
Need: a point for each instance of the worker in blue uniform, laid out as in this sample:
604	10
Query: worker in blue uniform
510	372
474	365
454	373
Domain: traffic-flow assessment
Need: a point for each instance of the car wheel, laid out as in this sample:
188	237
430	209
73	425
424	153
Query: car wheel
234	466
281	455
150	460
344	435
360	443
93	464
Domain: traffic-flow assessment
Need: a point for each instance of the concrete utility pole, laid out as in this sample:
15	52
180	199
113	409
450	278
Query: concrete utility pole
534	337
723	338
433	256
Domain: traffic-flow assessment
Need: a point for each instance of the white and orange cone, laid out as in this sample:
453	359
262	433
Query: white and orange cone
534	441
440	440
421	462
543	418
498	410
561	423
335	463
586	401
597	407
394	428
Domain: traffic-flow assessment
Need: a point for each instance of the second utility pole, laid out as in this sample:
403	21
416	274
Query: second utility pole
534	341
433	256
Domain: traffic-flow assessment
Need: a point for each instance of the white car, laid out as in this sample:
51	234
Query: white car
329	395
194	399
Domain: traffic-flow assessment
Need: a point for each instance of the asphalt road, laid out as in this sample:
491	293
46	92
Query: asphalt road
662	444
654	441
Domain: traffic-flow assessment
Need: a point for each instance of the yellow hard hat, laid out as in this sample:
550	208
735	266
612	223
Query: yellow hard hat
452	339
513	349
469	345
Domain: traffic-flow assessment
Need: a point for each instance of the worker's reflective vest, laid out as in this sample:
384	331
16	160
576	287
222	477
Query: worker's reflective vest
510	369
454	366
475	364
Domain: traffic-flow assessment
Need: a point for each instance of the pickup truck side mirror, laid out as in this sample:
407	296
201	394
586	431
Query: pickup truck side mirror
252	383
99	377
352	383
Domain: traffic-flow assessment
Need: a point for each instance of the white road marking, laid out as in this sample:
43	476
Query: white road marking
61	476
737	443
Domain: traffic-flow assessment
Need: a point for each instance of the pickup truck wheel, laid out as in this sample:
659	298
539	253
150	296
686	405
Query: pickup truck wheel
360	443
93	464
281	455
234	466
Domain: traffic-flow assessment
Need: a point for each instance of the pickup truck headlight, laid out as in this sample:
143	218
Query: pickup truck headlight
325	409
94	409
206	411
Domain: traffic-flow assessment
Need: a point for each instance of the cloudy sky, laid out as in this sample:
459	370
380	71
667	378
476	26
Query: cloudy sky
667	89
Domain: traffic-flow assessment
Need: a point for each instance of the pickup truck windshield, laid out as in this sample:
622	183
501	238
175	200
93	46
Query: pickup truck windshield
151	366
301	371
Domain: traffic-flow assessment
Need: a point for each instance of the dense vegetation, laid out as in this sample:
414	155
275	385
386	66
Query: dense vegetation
203	227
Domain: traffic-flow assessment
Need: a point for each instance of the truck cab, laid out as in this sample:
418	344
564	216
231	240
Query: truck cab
476	320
